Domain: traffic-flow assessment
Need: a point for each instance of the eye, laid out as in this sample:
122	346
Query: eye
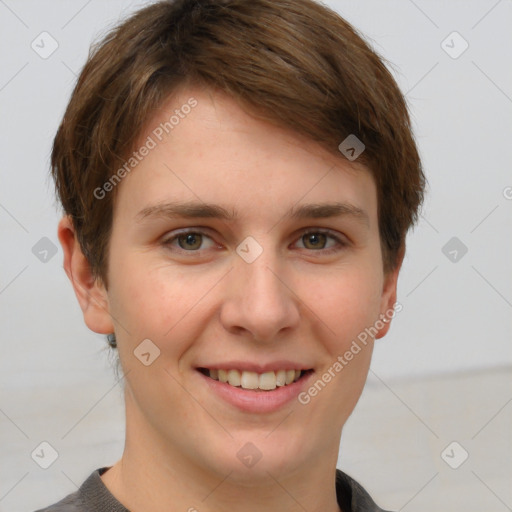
317	240
190	241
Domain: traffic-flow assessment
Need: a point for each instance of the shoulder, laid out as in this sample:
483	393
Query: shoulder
71	503
92	496
352	496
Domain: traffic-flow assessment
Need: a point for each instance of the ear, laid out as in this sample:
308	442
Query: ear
91	293
388	299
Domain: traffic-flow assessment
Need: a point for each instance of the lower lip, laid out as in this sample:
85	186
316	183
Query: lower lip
257	401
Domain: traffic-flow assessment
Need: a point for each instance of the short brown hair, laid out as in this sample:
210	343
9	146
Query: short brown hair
297	63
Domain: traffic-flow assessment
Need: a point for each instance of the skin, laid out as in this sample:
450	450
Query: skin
295	301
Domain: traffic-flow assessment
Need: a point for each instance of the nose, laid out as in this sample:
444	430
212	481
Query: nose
260	301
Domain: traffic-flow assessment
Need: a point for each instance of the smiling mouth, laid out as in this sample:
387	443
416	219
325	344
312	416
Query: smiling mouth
267	381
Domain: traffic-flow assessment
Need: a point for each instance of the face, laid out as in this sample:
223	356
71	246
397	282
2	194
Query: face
238	245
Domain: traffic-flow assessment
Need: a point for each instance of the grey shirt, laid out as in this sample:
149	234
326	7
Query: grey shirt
93	496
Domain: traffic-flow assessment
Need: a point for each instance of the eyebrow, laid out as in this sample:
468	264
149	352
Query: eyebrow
197	210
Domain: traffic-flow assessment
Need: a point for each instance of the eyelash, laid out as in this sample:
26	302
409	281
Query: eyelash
341	244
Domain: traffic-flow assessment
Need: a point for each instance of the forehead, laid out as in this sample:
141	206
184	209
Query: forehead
203	146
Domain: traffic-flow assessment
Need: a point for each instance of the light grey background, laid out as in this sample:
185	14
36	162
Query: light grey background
448	350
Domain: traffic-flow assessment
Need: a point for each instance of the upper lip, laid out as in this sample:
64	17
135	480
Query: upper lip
257	368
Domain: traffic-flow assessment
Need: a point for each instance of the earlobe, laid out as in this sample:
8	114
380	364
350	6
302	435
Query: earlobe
388	302
90	292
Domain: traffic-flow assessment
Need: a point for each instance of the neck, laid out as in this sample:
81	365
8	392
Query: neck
154	475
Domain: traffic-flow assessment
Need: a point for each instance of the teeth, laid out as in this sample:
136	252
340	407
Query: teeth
268	381
252	380
281	378
233	378
248	380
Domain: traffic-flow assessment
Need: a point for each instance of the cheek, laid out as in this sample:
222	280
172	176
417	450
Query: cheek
158	303
347	302
163	303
